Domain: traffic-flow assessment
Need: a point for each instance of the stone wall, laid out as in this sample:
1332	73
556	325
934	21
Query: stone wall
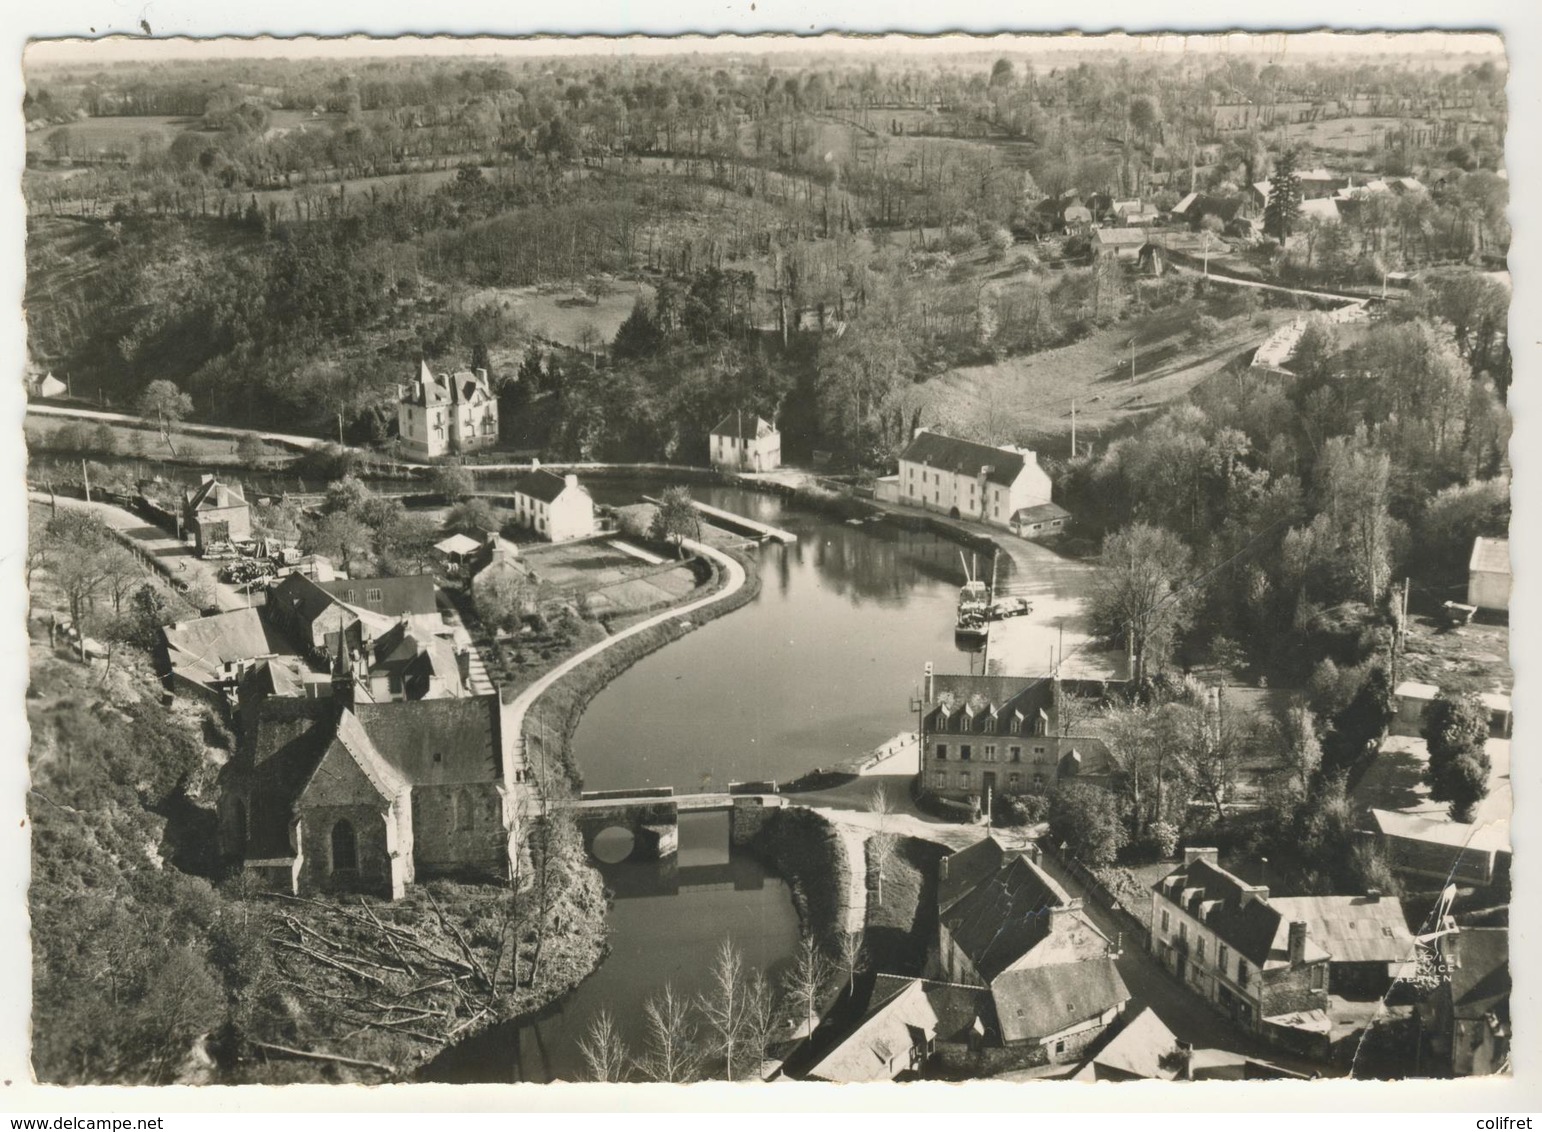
380	866
460	830
1289	989
749	818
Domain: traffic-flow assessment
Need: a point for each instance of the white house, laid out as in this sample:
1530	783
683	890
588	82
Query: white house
439	414
746	443
967	480
553	506
1488	574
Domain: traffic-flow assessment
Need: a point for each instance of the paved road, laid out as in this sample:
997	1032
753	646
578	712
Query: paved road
186	426
177	558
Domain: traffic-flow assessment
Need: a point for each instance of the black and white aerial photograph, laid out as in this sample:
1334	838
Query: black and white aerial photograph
766	559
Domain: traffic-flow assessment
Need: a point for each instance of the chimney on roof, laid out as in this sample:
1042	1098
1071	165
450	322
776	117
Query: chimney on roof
207	477
1451	948
1297	938
1373	895
1252	892
482	375
942	869
1209	856
570	479
928	675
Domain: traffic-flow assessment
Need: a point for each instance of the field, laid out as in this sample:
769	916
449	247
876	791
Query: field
559	314
1029	397
109	134
1343	135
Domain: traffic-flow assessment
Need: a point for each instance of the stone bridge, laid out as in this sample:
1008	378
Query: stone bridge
632	825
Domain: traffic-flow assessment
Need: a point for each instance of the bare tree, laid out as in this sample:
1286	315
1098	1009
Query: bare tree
723	1006
852	955
882	842
671	1052
604	1053
805	979
761	1008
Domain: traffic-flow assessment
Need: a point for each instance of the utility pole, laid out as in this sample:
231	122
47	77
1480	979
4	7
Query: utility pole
1073	430
1132	359
339	426
85	474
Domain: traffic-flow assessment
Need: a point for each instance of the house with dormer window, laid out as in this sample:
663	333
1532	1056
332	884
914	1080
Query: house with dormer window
1256	962
984	735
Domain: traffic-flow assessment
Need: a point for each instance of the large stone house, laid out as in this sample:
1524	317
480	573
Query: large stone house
985	735
344	795
1225	941
555	507
1049	981
447	413
742	443
216	514
966	479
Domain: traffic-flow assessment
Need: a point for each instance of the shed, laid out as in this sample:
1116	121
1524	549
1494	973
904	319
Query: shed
1488	574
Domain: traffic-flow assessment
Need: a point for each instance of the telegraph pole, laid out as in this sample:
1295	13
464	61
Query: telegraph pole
1073	429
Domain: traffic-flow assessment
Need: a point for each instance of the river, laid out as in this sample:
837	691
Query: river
816	671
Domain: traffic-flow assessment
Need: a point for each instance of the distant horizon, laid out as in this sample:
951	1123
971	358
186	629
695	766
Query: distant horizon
1273	46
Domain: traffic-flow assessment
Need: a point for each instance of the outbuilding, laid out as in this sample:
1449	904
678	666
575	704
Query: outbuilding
1488	574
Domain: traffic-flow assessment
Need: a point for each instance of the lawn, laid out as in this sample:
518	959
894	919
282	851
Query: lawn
1029	397
1344	135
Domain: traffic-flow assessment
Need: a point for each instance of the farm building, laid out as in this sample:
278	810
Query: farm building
1366	937
216	514
746	443
1122	243
1488	574
1041	521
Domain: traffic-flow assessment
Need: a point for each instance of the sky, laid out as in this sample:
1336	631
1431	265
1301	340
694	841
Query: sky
1259	46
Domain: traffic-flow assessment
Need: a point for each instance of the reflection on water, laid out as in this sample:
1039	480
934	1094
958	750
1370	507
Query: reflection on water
666	924
818	670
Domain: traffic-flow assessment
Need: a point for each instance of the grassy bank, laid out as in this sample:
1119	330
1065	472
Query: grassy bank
902	926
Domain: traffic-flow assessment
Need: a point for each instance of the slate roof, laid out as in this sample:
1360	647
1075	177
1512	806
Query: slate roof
1480	980
970	700
434	742
966	869
350	740
540	484
1040	513
1137	1050
1004	918
416	660
1490	556
965	457
461	387
1253	928
306	600
902	1013
745	426
1353	929
1033	1003
215	493
205	643
413	596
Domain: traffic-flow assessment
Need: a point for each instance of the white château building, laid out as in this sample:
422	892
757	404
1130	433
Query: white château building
447	413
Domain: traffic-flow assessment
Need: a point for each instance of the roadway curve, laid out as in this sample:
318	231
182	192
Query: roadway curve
515	711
